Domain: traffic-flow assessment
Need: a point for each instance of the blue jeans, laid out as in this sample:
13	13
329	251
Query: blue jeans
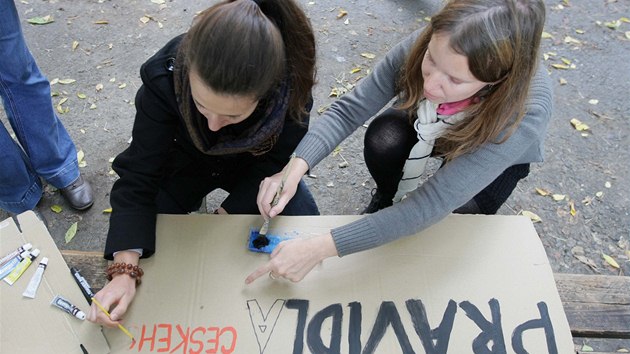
45	149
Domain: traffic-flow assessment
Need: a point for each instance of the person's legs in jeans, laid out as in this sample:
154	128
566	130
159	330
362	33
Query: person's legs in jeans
26	96
20	187
387	143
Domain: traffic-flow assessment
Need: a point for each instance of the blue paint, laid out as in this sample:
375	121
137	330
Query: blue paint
274	240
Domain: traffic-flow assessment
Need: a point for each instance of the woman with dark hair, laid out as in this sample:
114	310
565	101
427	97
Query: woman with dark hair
221	106
469	90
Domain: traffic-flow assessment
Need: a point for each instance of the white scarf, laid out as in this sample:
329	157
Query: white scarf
429	125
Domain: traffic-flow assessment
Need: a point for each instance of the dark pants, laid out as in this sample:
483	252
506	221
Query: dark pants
388	141
186	183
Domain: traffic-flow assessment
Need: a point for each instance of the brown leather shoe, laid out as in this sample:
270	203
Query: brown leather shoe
79	194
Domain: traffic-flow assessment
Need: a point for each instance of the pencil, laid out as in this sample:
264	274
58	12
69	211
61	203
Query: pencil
98	304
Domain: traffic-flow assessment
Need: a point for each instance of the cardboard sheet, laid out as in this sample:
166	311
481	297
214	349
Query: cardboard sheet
33	325
464	285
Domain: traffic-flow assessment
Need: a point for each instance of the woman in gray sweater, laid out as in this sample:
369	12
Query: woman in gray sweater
468	89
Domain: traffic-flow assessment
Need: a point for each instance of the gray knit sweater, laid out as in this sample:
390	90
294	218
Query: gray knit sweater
452	185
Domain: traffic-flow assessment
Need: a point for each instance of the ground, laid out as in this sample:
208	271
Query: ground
101	44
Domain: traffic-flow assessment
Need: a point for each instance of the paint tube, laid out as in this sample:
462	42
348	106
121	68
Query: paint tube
12	263
65	305
8	257
17	272
31	289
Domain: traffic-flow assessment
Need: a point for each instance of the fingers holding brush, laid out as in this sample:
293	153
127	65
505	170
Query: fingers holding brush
266	194
276	191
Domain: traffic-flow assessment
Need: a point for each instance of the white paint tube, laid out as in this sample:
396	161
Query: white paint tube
65	305
12	263
31	289
8	257
17	272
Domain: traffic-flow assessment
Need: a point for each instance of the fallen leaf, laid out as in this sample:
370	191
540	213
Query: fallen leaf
586	348
546	35
610	260
101	22
81	95
561	66
159	2
368	55
569	39
144	19
572	208
628	34
44	20
593	101
578	125
71	232
562	81
80	155
99	87
323	108
66	81
578	252
56	208
558	197
75	44
54	81
355	70
341	13
542	192
107	211
579	31
607	184
613	24
533	217
122	86
92	106
599	194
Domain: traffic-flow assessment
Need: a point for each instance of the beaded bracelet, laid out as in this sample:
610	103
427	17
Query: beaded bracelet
133	271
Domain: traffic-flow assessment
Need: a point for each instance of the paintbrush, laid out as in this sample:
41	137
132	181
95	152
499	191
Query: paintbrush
98	304
262	240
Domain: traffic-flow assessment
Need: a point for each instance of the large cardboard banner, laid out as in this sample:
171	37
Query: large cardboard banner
470	284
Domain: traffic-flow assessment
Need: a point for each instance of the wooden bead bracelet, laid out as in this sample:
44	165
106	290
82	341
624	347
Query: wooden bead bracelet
133	271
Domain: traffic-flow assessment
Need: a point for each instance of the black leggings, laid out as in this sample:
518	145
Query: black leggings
388	141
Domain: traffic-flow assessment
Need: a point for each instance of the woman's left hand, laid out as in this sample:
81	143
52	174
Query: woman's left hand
294	259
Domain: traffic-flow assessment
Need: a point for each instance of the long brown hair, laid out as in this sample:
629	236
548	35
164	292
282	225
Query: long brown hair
246	47
501	39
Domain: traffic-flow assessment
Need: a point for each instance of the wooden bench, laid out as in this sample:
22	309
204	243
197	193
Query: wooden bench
597	306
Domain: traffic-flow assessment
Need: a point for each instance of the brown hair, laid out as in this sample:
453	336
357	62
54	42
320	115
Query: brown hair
501	39
246	47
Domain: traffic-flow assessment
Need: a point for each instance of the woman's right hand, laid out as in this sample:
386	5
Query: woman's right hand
269	186
117	295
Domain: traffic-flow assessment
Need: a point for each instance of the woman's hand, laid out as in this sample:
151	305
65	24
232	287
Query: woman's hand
294	259
270	185
117	295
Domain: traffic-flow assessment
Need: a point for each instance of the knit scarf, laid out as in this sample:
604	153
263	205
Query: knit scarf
256	137
432	122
